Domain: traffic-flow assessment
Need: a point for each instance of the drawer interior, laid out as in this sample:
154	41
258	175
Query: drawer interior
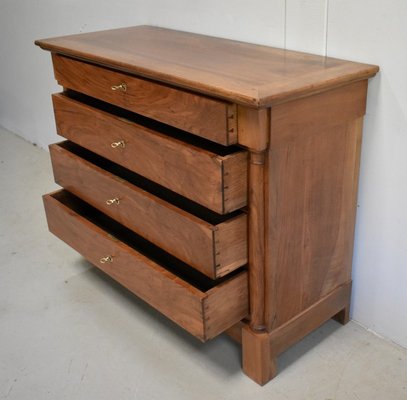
209	174
149	123
149	186
125	235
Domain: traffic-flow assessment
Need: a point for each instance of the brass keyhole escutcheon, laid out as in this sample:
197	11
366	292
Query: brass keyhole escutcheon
107	259
113	201
120	143
122	87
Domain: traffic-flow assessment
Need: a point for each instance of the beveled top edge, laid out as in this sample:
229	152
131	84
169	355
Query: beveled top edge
248	74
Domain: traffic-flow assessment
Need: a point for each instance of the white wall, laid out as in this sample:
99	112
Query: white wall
371	31
26	81
375	31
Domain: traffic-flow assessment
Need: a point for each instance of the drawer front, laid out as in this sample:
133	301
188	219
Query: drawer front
212	119
204	313
214	246
214	181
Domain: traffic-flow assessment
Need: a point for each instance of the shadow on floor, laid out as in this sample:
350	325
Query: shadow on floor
229	361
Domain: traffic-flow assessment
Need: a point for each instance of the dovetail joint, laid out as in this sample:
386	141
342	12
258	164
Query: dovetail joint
216	252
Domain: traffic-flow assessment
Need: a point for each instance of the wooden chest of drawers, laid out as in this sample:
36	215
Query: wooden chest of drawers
214	179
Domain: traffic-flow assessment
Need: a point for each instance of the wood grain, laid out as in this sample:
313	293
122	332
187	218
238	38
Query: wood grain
304	117
308	320
260	349
230	245
257	241
234	181
312	175
254	128
188	237
202	116
222	308
244	73
297	119
256	356
189	170
172	296
254	133
235	332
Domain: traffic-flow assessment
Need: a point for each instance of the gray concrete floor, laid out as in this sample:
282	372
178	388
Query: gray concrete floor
69	332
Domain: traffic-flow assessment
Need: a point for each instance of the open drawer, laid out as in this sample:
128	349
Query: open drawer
207	117
202	306
206	173
211	243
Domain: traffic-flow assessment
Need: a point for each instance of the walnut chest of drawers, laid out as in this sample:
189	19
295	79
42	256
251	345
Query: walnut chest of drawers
214	179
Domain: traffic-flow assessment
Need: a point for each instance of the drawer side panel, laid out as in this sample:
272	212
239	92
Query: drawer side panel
226	305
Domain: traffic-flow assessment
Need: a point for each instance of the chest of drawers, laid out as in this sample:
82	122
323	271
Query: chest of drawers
214	179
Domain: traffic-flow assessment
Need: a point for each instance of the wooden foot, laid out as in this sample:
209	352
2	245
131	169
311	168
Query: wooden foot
260	349
343	316
258	363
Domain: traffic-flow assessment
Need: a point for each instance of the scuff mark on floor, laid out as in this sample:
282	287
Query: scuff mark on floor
11	388
84	372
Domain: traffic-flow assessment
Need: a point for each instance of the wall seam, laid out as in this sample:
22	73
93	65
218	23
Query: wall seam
326	28
285	24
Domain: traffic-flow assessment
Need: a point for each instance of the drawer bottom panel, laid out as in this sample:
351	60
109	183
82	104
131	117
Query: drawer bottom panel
202	306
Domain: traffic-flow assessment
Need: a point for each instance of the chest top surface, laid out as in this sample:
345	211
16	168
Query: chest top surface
248	74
